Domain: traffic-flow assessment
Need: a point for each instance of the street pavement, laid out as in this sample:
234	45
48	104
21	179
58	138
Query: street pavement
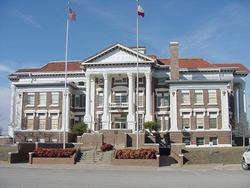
96	176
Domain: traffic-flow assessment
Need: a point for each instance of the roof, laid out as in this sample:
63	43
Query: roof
193	63
58	66
190	63
239	66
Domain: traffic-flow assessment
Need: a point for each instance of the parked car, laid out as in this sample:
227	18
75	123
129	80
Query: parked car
246	159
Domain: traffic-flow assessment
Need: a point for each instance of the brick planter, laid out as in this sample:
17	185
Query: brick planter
137	162
51	160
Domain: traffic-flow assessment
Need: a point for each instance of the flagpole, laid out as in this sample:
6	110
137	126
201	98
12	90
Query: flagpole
65	83
137	81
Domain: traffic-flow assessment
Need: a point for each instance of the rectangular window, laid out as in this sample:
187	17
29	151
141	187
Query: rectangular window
162	99
31	99
42	121
120	122
140	121
186	120
42	99
198	97
121	97
212	97
100	98
77	101
185	97
199	120
212	123
213	140
212	120
30	121
199	141
186	141
82	102
55	99
54	121
140	98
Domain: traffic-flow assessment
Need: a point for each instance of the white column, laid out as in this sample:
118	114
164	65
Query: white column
148	115
173	110
105	116
87	117
131	106
92	102
224	110
12	111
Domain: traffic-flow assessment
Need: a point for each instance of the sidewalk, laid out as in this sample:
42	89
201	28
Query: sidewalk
197	167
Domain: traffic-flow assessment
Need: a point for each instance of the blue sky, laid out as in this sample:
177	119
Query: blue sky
33	32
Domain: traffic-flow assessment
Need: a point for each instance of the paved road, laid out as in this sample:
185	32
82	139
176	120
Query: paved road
26	176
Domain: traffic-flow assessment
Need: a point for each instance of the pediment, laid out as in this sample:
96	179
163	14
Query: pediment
117	54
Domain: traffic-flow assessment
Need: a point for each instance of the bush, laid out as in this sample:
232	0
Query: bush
106	147
79	128
136	154
151	125
49	152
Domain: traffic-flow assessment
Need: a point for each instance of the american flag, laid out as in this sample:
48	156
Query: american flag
72	15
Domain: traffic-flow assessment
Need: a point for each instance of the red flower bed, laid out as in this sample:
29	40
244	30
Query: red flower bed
47	152
136	154
106	147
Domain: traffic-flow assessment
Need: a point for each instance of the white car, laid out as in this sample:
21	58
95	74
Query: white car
246	159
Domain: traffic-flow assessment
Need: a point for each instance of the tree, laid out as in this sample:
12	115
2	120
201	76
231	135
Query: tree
79	128
151	125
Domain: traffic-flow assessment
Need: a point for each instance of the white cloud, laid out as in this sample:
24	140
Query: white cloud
27	18
4	109
4	68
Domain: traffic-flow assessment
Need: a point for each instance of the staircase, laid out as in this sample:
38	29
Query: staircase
95	157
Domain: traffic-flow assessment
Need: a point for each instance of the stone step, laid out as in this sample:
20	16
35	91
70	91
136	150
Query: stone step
95	157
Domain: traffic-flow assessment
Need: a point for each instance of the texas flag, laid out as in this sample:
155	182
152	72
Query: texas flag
72	15
140	11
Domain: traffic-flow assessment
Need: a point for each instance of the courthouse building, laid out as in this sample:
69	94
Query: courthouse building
194	101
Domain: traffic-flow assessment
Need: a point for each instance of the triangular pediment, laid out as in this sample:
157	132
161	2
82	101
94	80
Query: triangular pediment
118	54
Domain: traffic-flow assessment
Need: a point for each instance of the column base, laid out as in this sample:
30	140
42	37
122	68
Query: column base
148	117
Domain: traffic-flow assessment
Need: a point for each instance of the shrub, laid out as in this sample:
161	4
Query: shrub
52	152
79	128
106	147
136	154
151	125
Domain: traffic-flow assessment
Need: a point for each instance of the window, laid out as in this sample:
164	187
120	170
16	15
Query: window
42	121
55	99
186	120
120	81
212	120
212	97
30	121
161	81
31	99
140	98
199	141
100	98
140	121
186	140
199	120
213	140
120	122
77	101
42	99
141	80
198	97
54	121
121	97
185	97
162	99
100	121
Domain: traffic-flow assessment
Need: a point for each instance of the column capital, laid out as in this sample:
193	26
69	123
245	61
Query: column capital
130	75
148	75
105	76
